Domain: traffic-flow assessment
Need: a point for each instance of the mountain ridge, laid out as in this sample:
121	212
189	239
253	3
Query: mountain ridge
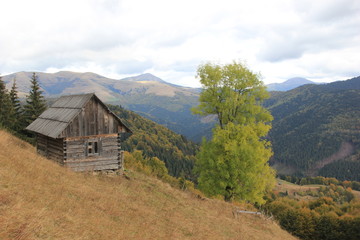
145	94
67	82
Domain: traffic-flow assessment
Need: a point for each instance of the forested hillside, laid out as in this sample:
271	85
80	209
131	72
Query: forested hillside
171	112
157	141
315	127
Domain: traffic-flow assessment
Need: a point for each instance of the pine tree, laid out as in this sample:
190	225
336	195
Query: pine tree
16	107
35	102
2	101
5	106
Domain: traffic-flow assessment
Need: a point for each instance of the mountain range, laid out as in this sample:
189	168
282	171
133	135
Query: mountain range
146	94
315	128
65	82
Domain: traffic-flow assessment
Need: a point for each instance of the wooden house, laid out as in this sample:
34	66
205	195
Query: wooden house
81	133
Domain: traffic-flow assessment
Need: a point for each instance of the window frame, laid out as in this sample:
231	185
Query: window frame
92	147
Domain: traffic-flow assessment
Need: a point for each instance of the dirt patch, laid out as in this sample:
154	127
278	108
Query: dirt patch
283	169
345	150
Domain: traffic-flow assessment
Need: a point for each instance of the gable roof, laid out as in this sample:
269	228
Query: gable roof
55	119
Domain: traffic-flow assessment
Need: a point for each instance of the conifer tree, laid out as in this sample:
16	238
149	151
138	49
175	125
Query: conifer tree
2	101
35	102
16	107
5	106
234	163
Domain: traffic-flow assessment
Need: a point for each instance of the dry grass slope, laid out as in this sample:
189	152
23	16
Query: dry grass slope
41	200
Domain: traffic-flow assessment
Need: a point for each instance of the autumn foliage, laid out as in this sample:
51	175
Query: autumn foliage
333	212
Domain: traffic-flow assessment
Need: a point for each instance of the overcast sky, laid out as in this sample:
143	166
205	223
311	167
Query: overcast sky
315	39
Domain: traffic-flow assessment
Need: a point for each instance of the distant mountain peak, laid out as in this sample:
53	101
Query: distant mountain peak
298	80
145	77
289	84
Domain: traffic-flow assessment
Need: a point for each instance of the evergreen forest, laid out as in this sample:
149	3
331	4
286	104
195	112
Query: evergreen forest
155	140
316	129
15	116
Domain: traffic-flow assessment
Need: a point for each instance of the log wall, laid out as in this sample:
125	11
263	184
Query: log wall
50	148
107	155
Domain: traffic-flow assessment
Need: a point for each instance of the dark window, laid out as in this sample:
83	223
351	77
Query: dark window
92	148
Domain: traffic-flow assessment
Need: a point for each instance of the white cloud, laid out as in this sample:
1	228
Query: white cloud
281	39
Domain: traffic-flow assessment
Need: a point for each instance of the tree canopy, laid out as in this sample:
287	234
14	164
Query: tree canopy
234	163
233	93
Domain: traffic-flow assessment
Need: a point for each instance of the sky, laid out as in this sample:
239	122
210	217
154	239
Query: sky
280	39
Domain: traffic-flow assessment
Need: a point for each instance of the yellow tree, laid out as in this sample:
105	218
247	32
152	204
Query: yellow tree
234	163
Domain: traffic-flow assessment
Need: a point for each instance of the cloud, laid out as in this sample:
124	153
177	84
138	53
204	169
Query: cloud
329	11
171	38
321	26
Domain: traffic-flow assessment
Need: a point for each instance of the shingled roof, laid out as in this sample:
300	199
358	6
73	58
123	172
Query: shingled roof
55	119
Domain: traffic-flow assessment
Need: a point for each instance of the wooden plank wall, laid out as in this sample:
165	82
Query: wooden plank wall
94	119
51	148
108	156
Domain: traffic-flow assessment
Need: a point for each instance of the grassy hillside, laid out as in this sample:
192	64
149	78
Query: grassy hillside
41	200
293	190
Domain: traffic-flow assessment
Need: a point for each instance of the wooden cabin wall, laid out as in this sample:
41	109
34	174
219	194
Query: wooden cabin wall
108	154
50	148
95	119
